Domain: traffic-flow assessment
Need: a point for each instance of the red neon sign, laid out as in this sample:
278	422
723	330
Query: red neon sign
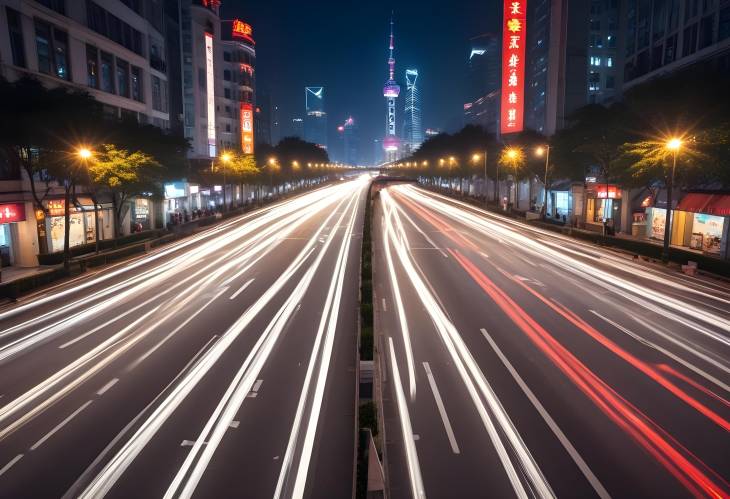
514	37
247	128
14	212
240	29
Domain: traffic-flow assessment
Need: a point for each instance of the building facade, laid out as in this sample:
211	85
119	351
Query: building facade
667	36
483	75
315	117
412	123
237	103
115	50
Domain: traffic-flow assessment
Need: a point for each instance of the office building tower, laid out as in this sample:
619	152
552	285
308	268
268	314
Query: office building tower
315	118
412	125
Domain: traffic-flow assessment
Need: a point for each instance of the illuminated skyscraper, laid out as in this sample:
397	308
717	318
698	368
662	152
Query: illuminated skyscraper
315	124
391	91
412	128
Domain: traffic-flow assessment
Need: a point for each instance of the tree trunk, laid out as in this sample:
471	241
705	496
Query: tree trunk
96	223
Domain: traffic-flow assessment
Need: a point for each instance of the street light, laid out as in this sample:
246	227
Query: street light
475	158
225	158
674	145
84	153
540	151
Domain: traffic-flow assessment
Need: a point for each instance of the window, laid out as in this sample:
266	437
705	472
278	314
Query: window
92	66
52	47
227	56
159	94
724	28
595	61
690	9
610	82
227	93
670	49
595	25
57	5
706	25
609	62
43	46
689	44
15	30
227	75
107	72
136	84
113	28
611	39
596	41
228	127
122	78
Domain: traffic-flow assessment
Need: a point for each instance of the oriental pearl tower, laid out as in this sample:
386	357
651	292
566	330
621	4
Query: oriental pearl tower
391	90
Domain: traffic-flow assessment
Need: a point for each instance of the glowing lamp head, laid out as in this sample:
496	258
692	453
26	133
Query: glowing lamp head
226	157
272	161
512	153
475	158
84	153
540	151
674	144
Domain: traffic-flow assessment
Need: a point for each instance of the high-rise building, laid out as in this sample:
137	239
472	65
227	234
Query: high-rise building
483	77
315	124
118	52
275	125
297	128
351	142
262	119
236	121
573	58
391	91
412	125
667	38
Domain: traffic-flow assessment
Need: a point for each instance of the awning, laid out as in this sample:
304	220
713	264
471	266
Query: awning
713	204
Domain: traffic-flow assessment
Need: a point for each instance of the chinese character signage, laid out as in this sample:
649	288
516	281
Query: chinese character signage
12	213
210	91
240	29
56	207
247	128
514	37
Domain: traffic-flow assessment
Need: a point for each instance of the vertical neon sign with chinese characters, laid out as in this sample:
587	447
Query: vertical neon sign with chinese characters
514	37
210	91
247	128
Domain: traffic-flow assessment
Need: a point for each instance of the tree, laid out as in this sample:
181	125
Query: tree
242	167
124	174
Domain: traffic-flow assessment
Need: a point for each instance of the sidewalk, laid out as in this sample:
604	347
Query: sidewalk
12	273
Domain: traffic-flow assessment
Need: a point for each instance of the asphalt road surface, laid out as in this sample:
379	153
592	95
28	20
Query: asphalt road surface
521	363
220	366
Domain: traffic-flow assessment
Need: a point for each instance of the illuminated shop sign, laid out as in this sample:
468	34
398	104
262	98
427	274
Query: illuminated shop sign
514	36
56	207
247	128
210	90
14	212
240	29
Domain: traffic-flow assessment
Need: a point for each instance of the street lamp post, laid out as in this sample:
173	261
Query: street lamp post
225	158
674	145
86	154
540	151
476	158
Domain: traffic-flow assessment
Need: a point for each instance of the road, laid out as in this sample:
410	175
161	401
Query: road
220	366
519	362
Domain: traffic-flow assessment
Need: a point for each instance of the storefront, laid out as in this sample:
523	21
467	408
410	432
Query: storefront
10	215
82	223
141	215
700	222
603	205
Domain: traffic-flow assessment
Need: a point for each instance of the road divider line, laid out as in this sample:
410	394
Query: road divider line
12	462
565	442
106	387
441	408
59	426
241	289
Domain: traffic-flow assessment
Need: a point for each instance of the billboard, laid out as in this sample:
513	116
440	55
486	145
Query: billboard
514	37
240	29
210	91
12	212
247	127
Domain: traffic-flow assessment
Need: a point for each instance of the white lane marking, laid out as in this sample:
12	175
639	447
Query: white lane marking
577	459
430	241
385	307
666	352
60	425
10	464
409	438
106	387
241	289
190	443
441	408
416	437
257	385
484	254
234	424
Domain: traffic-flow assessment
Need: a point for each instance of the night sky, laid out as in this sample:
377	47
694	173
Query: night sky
342	45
